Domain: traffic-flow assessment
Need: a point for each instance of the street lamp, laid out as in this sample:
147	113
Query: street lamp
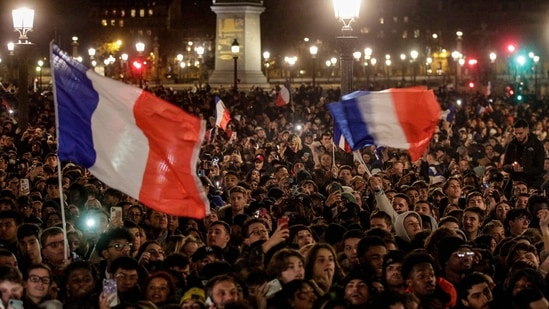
428	69
346	11
23	20
456	56
140	47
357	56
179	59
75	47
313	50
403	59
414	54
291	62
536	60
39	69
200	53
387	68
235	49
266	56
367	61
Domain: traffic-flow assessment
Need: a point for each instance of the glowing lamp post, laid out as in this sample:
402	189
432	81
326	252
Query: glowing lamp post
235	50
266	56
23	20
313	50
346	11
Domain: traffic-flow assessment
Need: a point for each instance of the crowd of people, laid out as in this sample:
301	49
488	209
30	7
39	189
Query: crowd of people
295	220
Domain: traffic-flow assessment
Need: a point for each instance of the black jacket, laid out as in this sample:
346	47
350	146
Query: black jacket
530	156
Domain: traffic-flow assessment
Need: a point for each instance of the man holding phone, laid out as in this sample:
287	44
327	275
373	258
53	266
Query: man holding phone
11	286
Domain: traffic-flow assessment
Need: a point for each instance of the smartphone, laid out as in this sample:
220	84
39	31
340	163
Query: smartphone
109	288
283	221
116	213
24	186
15	304
274	287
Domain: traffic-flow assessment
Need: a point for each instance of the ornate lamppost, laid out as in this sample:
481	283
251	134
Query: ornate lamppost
346	11
313	50
235	49
23	20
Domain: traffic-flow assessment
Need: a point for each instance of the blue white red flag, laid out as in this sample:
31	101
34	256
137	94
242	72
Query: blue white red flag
401	118
128	138
284	95
222	115
339	139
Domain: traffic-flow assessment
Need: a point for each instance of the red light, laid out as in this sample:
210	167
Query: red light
473	62
471	85
511	48
137	65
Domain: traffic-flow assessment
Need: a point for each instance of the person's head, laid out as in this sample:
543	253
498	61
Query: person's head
526	278
452	188
424	207
80	279
530	298
114	243
381	219
517	221
321	261
157	220
370	251
523	252
418	272
501	210
126	272
153	250
206	255
401	203
473	217
255	229
286	265
238	198
408	224
449	222
179	266
52	242
474	291
230	179
392	268
28	242
299	294
475	199
357	291
522	129
496	229
11	284
350	245
222	289
301	235
219	234
135	213
37	281
159	288
9	220
455	255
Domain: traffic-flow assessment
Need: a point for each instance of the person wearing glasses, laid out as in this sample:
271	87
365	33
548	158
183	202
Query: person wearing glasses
52	241
517	221
112	244
37	281
455	257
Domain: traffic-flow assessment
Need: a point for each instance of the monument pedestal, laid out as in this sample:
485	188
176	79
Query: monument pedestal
240	21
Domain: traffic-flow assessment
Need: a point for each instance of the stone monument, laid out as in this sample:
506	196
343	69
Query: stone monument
238	20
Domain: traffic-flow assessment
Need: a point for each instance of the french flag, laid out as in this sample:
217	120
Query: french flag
284	95
128	138
402	118
339	139
222	116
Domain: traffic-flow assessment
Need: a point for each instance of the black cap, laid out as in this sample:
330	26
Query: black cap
204	251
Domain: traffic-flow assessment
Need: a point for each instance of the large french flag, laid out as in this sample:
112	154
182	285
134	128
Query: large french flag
284	95
402	118
128	138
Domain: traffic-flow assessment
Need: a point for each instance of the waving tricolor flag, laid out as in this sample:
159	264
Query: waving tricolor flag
284	95
128	138
401	118
222	116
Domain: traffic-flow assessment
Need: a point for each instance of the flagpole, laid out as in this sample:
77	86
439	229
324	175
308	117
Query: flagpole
59	175
358	157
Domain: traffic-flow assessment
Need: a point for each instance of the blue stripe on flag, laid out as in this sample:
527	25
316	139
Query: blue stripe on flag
76	101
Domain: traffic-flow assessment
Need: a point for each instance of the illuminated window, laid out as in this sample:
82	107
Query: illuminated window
405	19
395	20
151	11
404	34
417	32
142	13
113	22
106	13
122	13
121	23
104	22
381	20
139	32
114	12
132	13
